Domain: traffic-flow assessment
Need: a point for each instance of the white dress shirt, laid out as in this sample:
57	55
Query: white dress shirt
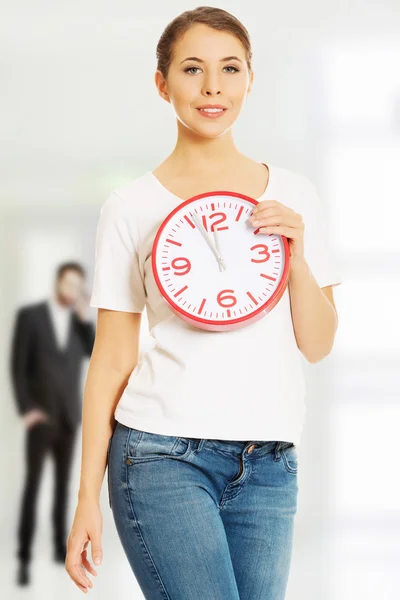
61	319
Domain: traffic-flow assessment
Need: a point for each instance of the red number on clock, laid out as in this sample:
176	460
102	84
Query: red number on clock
264	251
227	297
213	225
184	268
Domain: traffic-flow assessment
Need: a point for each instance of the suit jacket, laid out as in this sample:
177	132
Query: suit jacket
43	375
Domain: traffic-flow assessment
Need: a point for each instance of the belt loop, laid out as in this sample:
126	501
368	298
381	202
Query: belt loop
199	444
278	450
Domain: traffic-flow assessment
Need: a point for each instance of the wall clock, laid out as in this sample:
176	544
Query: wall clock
213	267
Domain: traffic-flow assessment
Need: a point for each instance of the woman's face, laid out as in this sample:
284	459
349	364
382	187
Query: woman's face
209	80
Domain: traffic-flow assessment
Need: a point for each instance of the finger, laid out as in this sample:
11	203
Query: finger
88	581
73	562
87	565
266	203
97	552
279	229
283	221
77	574
81	587
274	212
265	212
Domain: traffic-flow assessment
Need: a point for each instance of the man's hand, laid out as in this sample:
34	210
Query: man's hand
34	416
82	306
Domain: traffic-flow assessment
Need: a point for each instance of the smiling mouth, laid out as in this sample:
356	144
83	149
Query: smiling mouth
211	114
211	109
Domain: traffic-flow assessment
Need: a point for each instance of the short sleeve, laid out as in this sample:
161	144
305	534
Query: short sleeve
318	249
118	282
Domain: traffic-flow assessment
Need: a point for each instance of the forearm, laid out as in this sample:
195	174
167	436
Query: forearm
18	379
24	402
103	388
314	318
20	365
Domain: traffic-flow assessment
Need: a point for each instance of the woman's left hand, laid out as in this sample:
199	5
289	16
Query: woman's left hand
270	216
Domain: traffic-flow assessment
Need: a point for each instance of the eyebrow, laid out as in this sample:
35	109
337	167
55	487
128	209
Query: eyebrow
202	61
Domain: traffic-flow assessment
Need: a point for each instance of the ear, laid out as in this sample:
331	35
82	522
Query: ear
161	85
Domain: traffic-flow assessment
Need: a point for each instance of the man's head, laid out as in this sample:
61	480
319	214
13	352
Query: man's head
69	284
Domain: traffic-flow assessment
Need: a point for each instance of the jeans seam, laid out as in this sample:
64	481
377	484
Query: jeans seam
155	456
187	452
137	442
236	486
219	451
177	441
288	468
167	597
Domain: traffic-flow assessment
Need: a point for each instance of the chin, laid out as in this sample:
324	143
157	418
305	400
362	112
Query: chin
206	133
69	301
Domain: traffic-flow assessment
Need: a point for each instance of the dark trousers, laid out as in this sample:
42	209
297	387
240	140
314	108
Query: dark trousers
58	440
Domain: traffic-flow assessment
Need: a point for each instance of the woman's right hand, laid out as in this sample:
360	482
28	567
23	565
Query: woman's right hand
87	526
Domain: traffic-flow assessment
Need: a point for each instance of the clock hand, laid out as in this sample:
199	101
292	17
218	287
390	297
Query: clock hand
205	235
222	265
208	240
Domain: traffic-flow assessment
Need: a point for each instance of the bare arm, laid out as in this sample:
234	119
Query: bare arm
115	355
314	315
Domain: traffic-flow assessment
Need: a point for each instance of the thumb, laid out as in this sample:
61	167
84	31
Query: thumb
96	550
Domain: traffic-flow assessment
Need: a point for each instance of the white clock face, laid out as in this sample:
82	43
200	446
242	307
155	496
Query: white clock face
213	267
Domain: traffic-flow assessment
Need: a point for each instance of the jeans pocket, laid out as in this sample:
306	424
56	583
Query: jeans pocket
290	458
145	446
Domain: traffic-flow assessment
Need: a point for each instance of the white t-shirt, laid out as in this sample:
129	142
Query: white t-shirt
246	384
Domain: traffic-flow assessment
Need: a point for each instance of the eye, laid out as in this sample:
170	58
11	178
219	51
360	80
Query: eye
230	67
190	68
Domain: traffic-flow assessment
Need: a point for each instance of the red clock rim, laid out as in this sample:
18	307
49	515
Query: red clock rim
268	304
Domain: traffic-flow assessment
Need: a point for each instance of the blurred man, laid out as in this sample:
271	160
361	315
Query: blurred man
50	339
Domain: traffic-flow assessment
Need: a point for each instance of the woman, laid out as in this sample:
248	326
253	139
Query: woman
202	458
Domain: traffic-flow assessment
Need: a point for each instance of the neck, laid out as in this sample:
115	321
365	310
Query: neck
194	153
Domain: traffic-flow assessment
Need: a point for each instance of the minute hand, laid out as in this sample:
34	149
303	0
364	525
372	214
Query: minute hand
209	241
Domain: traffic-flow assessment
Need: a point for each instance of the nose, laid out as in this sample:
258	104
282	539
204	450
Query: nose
211	86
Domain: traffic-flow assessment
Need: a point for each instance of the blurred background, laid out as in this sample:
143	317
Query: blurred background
80	114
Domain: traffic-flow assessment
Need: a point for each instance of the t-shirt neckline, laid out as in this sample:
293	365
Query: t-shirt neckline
177	198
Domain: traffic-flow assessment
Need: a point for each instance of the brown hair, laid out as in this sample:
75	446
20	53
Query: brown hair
216	18
70	266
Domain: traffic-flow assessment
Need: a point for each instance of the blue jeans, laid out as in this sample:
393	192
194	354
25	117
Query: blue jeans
204	519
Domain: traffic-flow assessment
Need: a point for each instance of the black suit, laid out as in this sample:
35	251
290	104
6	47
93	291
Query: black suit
47	377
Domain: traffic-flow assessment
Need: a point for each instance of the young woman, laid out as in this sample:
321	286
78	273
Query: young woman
200	432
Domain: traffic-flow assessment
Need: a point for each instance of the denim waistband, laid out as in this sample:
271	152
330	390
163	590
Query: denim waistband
238	447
